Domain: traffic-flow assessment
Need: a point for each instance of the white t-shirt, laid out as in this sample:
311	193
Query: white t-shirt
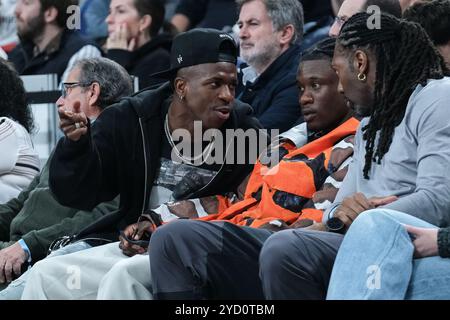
19	162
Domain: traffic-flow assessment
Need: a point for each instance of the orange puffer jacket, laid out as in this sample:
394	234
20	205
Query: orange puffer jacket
301	186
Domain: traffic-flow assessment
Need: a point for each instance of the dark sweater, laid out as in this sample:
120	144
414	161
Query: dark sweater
152	57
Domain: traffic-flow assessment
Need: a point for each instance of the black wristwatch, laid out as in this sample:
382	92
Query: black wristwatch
335	225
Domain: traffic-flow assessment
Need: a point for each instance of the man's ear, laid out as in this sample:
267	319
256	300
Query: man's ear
180	84
50	15
94	94
286	34
145	22
361	62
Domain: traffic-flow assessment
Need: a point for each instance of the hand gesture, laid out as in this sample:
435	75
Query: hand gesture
353	205
73	123
11	261
424	241
135	231
118	39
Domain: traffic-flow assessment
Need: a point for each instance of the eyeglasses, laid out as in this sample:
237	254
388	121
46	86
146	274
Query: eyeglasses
69	85
340	20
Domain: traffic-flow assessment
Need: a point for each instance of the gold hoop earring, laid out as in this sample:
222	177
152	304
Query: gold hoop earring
362	77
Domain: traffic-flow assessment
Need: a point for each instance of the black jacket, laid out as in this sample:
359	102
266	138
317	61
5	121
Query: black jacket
55	61
121	155
274	95
216	14
315	10
152	57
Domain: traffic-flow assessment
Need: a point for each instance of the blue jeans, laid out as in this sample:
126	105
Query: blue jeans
15	288
375	261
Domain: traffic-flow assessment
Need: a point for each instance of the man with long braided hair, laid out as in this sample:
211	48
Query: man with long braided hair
398	255
397	79
394	81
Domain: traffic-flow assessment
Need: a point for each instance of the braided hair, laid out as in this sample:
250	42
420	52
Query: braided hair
322	50
405	57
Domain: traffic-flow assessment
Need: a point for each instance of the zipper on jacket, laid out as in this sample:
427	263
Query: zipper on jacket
145	166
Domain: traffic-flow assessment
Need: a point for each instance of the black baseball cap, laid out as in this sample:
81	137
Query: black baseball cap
199	46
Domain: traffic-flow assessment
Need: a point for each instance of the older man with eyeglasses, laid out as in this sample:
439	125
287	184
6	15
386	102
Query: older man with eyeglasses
33	220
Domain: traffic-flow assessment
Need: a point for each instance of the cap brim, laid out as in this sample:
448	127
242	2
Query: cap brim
166	74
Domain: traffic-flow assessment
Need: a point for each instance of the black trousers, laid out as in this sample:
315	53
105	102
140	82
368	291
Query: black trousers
219	260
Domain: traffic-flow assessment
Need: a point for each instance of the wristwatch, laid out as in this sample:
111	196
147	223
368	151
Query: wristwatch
335	225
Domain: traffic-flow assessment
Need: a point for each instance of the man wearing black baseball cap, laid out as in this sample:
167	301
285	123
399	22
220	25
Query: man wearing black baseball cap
130	150
200	46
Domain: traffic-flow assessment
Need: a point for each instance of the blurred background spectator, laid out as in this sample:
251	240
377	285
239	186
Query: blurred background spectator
134	39
270	49
316	9
8	34
222	15
46	43
318	19
218	14
350	7
19	162
434	17
93	15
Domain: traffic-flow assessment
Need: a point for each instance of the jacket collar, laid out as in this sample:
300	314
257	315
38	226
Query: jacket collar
31	51
163	41
51	47
280	63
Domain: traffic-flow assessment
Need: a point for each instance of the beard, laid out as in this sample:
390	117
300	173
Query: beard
32	29
260	56
362	111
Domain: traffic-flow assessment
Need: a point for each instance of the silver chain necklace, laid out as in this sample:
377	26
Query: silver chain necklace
205	154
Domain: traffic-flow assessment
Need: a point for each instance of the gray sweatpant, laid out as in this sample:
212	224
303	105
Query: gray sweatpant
297	264
206	260
219	260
